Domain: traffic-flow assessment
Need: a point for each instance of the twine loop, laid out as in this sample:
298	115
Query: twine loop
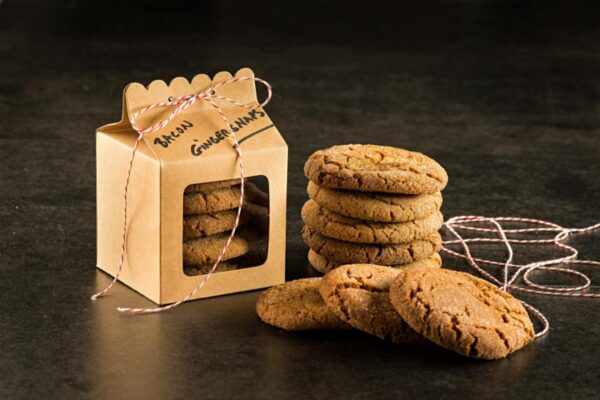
512	271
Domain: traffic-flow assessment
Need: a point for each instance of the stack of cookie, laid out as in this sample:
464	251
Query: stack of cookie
210	211
372	204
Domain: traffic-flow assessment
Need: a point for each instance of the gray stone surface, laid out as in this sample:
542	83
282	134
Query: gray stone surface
506	95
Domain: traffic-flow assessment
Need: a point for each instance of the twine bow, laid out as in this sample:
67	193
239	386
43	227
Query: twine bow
181	103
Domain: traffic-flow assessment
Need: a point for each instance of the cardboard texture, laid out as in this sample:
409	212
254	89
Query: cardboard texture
191	149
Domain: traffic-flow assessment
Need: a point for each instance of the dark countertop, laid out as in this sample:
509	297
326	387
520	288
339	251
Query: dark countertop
506	95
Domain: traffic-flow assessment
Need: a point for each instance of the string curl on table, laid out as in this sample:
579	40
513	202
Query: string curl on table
493	226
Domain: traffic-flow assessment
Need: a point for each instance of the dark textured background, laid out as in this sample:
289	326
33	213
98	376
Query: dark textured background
506	95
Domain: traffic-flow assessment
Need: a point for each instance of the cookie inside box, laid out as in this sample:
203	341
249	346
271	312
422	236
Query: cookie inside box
210	212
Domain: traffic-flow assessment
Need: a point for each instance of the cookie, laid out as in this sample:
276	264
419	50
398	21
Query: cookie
202	225
323	265
358	294
375	206
372	168
193	270
297	306
461	312
206	250
213	201
210	186
333	225
255	256
381	254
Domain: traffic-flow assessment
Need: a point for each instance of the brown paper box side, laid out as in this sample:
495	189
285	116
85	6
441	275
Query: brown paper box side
143	246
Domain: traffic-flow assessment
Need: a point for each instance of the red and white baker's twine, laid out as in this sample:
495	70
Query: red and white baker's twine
474	223
182	103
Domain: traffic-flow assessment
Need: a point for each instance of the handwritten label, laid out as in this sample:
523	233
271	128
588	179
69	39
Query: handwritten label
166	140
197	149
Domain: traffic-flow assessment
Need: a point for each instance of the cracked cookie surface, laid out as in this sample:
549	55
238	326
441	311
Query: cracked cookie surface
210	186
382	254
213	201
373	168
202	225
461	312
296	306
206	250
333	225
323	265
380	207
359	295
193	270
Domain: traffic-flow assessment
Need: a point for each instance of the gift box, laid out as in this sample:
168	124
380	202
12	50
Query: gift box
177	172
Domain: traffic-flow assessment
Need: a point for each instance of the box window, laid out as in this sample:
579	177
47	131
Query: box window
209	214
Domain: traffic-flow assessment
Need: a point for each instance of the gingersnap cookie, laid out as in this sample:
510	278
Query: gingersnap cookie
373	168
206	250
358	294
461	312
372	206
333	225
193	270
323	265
255	256
202	225
213	201
210	186
297	306
382	254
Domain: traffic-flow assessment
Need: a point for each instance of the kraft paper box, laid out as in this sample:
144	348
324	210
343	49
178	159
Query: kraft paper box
193	148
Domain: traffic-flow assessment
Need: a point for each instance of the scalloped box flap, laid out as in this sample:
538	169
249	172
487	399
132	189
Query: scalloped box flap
198	131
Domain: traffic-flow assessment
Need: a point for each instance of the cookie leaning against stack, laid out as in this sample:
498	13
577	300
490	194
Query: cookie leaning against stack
372	204
210	210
